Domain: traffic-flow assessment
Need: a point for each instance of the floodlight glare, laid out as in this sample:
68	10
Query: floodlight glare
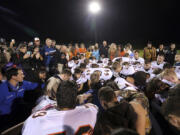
94	7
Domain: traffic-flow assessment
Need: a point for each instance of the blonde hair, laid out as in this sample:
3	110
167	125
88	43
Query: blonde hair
168	72
51	87
112	48
95	77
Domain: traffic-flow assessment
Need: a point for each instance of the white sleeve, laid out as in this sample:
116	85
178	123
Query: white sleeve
142	61
131	70
120	82
31	127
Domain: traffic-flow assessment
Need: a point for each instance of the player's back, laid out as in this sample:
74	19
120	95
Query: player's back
71	122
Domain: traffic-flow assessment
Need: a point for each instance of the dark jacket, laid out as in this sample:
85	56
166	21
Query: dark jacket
36	63
120	116
158	51
58	60
170	55
103	51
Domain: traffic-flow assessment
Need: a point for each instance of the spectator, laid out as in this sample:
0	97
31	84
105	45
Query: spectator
76	48
160	50
149	52
104	50
170	55
3	58
12	92
24	60
59	61
54	44
120	51
88	53
71	53
64	116
127	49
95	53
82	50
64	50
112	52
37	42
48	52
12	45
69	46
36	59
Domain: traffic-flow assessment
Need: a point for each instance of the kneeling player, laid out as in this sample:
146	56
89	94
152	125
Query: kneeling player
66	118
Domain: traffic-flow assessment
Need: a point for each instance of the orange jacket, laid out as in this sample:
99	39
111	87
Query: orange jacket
82	50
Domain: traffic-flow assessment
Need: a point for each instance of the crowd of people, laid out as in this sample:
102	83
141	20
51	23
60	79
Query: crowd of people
103	89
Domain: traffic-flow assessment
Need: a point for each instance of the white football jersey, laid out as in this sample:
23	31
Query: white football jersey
93	61
106	73
105	60
124	85
141	60
71	64
137	67
78	121
116	58
128	70
155	65
151	77
115	74
125	59
121	82
150	71
43	102
82	79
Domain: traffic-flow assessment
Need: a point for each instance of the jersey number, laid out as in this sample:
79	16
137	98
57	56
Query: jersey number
82	130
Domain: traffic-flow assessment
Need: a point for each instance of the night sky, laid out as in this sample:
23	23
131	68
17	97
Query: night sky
120	21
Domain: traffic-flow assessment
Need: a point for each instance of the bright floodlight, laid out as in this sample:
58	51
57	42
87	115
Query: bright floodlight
94	7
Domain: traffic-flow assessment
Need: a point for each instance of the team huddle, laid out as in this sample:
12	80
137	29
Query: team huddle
110	94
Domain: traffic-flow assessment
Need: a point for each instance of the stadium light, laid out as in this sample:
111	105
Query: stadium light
94	7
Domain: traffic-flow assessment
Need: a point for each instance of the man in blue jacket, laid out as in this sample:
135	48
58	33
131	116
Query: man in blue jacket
11	90
48	52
